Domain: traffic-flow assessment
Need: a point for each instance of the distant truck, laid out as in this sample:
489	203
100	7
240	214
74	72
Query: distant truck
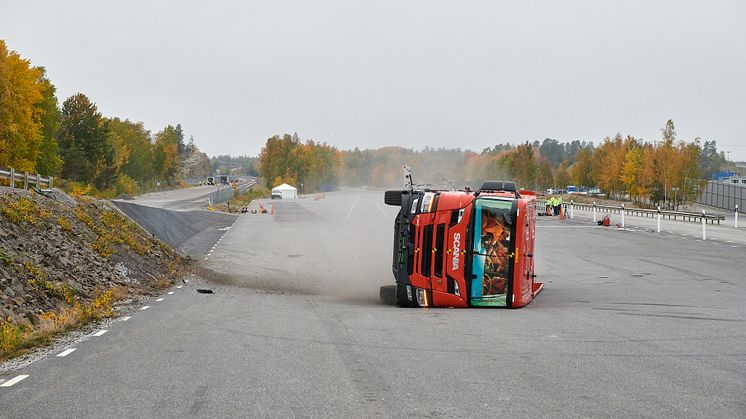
210	180
463	248
223	179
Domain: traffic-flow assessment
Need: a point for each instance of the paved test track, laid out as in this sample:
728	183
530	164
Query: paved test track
630	324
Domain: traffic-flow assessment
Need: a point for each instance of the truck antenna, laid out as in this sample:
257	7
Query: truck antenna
408	179
453	188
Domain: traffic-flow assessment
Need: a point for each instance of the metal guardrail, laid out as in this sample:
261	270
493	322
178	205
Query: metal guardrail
225	193
642	212
26	179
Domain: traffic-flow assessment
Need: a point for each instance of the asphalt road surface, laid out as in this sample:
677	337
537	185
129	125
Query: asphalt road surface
630	324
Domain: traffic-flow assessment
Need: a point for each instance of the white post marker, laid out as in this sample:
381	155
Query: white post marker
736	223
659	219
572	209
594	212
704	226
622	215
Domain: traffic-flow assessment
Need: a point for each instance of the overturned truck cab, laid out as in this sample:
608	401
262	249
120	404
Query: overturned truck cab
463	248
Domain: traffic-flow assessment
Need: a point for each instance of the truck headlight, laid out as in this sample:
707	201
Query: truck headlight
421	297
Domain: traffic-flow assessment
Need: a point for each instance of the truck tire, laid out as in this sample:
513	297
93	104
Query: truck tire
388	294
392	198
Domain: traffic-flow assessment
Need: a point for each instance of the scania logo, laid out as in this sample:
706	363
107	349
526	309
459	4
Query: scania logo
456	250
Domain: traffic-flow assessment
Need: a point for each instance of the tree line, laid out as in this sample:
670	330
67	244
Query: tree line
309	165
665	171
75	141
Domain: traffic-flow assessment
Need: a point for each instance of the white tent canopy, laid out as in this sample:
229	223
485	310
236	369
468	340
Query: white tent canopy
287	191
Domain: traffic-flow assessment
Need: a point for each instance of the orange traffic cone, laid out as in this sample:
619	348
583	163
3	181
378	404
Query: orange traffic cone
562	213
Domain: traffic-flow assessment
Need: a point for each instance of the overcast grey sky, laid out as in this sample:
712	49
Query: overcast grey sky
464	74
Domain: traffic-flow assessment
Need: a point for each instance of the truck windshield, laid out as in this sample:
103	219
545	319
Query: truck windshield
493	223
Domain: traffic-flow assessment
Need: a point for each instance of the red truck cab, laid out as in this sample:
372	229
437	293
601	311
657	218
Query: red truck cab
463	248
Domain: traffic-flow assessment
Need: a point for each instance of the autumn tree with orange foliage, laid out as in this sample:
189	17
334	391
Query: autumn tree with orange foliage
21	91
311	166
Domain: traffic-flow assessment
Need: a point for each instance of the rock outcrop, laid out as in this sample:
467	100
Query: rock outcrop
56	251
197	166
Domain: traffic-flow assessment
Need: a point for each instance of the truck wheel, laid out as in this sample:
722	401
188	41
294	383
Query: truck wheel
392	198
388	294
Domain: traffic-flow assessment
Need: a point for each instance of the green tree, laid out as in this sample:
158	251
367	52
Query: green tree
49	162
182	149
553	150
711	161
84	143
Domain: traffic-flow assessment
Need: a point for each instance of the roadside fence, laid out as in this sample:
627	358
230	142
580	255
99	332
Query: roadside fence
222	194
26	179
698	217
724	195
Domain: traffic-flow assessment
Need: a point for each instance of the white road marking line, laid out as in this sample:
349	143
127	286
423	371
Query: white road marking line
734	246
13	380
170	293
683	234
125	318
144	308
378	205
100	332
159	300
729	241
353	206
66	352
179	286
205	258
